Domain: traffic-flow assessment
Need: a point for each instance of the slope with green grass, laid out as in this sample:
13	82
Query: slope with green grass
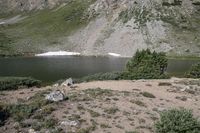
43	28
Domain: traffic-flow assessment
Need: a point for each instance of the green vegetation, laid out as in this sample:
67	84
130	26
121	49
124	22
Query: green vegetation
139	103
3	115
148	95
104	125
13	83
22	111
194	71
90	94
4	43
177	121
100	76
141	15
98	92
44	28
146	65
111	110
93	113
164	84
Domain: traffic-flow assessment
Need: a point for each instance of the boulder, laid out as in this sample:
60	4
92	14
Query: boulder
68	82
55	96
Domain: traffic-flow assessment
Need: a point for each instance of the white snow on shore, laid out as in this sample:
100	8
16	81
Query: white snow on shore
58	53
114	54
2	23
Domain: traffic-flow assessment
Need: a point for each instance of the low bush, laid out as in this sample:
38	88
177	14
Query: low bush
148	95
3	115
100	76
13	83
146	65
177	121
20	112
194	71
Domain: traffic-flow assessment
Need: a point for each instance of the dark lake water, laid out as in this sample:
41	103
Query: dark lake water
49	69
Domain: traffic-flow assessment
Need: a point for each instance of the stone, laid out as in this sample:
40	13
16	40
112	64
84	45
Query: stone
55	96
55	85
70	123
68	82
31	131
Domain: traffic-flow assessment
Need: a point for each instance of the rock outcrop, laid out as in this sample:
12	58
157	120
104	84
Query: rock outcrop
109	26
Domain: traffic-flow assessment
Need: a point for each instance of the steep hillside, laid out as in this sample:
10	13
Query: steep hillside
97	27
11	6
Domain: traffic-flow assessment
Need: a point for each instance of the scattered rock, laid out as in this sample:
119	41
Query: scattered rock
159	109
16	125
31	131
68	82
55	96
55	85
69	123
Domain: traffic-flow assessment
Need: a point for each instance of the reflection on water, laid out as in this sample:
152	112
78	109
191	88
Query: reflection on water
54	68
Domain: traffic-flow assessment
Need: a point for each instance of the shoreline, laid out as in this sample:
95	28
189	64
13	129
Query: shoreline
66	53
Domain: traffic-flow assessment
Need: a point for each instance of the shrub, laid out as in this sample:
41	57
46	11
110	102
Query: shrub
194	71
20	112
111	110
3	115
146	65
148	95
177	121
100	76
13	83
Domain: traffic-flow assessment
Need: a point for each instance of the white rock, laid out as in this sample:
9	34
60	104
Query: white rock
55	96
68	82
55	85
69	123
31	131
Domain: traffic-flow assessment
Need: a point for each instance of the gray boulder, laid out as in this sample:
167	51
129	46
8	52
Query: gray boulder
68	82
55	96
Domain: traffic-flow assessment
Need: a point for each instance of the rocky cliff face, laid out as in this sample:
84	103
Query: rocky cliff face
117	26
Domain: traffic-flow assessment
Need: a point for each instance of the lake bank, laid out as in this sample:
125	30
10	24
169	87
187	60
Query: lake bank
113	106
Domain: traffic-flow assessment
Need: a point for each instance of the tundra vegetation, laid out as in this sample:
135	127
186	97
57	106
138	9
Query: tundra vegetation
194	71
177	121
13	83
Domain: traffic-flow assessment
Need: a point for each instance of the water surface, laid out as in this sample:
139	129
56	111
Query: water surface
49	69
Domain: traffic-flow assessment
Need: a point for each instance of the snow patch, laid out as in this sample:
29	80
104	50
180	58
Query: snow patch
2	23
114	54
58	53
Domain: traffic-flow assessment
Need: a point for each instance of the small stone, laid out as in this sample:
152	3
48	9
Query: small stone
55	85
31	131
182	90
161	109
70	123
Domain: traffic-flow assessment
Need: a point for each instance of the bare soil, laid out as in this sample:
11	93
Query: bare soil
114	106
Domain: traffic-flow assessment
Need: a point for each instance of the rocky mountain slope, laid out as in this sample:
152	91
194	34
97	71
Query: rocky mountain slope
97	27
